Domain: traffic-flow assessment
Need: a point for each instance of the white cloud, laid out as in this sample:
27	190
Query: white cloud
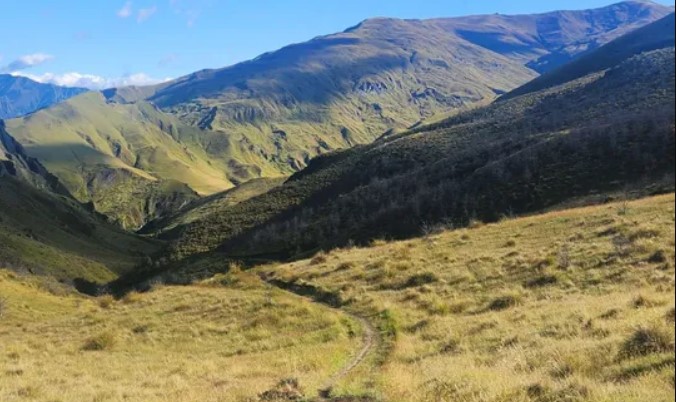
91	81
26	61
189	9
126	10
145	13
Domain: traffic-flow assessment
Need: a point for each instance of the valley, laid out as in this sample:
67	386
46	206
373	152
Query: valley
469	209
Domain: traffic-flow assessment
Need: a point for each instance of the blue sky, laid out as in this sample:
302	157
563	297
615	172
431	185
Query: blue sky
102	43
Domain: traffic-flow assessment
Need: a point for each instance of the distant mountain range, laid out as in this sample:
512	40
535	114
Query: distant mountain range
20	96
607	131
139	153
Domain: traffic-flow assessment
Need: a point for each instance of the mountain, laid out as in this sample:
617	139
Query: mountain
132	161
20	96
607	132
138	153
45	231
16	163
657	35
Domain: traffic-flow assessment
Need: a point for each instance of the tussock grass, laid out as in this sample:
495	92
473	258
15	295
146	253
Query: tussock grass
228	339
537	309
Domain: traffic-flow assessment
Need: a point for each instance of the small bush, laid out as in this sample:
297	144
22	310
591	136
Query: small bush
563	257
101	342
3	306
643	302
318	259
132	298
647	340
610	314
671	315
542	281
106	301
659	257
285	390
503	303
509	244
420	280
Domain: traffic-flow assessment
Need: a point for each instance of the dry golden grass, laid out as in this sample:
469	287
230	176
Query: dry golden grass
224	340
569	306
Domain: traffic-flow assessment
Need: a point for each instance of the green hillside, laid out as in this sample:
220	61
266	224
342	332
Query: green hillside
139	153
133	161
605	133
46	234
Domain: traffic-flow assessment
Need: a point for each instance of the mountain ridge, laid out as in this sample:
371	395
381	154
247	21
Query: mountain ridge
268	117
20	96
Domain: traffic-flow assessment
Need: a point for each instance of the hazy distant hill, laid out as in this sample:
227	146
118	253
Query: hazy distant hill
20	96
654	36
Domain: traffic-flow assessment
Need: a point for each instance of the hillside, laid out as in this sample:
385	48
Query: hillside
226	340
132	161
607	132
45	232
20	96
270	116
657	35
576	305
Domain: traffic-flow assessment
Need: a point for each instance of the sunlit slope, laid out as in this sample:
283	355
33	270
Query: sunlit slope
97	150
604	133
576	305
226	340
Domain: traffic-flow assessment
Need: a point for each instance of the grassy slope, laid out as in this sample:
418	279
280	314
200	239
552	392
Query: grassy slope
591	136
53	235
225	340
108	153
575	305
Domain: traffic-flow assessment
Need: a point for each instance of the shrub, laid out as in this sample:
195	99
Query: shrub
132	298
3	306
542	281
503	303
658	257
647	340
285	390
564	257
420	280
103	341
106	301
318	259
643	302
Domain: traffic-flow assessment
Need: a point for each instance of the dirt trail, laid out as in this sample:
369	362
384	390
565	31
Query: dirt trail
370	343
370	340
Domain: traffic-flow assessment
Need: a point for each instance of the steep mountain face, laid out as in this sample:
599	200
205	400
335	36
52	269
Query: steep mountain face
653	36
44	231
387	73
270	116
609	131
14	162
132	161
20	96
